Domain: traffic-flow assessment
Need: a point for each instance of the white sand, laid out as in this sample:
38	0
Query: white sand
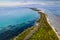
52	27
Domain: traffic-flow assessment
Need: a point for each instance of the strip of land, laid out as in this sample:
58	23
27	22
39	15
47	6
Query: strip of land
37	25
41	31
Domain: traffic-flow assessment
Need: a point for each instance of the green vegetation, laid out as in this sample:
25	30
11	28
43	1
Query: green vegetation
44	32
23	34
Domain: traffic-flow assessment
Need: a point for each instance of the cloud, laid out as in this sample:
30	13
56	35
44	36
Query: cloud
9	4
29	0
52	3
5	4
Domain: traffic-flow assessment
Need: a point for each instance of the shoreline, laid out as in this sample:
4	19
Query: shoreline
48	22
52	27
40	23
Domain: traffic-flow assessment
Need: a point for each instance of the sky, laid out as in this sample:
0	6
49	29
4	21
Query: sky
29	0
8	3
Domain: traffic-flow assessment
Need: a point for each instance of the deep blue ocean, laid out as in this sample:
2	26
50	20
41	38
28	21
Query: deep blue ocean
15	20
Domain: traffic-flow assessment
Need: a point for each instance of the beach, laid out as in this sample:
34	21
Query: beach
43	21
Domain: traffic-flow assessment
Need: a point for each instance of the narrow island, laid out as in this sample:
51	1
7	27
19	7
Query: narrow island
40	31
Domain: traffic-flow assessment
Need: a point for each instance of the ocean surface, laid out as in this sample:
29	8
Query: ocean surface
53	12
15	20
54	16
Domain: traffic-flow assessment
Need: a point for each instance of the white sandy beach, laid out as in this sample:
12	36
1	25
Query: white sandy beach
52	27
